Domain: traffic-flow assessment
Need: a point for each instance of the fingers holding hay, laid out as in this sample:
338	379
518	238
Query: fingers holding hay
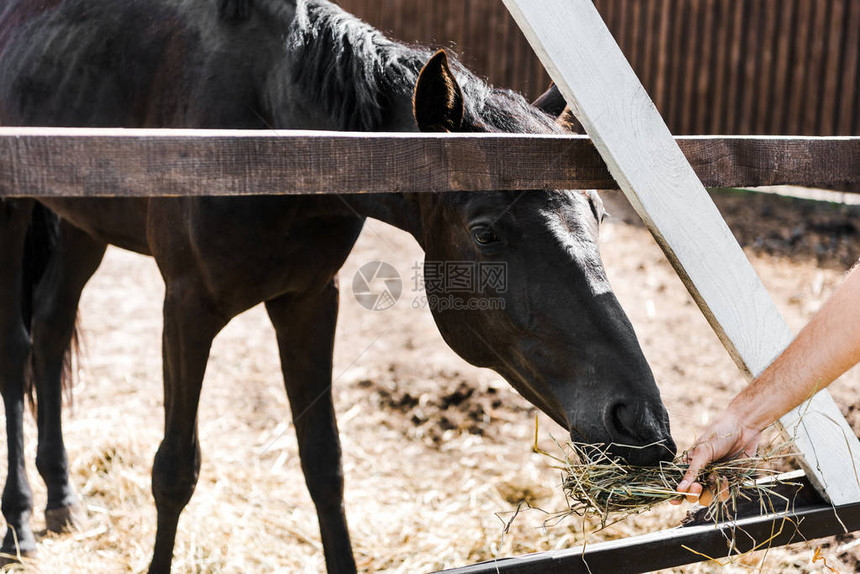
596	484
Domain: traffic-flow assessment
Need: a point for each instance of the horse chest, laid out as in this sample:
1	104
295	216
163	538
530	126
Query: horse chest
119	221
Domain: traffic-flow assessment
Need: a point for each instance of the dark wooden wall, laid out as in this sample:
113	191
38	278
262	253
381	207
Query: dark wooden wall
711	66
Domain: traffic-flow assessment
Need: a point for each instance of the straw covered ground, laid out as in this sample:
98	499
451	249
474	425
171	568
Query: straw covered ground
437	453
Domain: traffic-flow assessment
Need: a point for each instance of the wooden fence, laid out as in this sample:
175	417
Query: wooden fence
711	66
48	162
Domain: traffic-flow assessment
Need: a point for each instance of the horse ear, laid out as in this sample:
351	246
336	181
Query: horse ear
438	101
551	102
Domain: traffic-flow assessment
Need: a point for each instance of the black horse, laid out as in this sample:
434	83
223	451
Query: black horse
561	338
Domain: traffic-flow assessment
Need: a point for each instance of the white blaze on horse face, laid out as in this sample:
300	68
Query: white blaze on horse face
579	242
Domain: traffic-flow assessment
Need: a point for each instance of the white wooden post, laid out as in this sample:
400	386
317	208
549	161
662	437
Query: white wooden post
583	59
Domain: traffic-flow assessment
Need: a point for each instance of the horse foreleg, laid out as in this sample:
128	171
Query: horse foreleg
305	329
54	312
189	327
17	501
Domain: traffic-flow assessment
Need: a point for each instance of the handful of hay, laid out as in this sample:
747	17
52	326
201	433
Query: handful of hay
597	484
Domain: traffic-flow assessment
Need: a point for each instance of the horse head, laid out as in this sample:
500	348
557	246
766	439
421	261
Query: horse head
515	283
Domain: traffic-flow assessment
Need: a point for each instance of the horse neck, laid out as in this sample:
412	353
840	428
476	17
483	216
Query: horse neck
400	210
277	10
314	99
292	106
397	209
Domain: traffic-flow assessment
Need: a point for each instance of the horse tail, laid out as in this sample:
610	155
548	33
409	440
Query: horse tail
41	242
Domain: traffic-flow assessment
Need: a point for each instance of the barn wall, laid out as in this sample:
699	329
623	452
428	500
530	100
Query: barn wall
711	66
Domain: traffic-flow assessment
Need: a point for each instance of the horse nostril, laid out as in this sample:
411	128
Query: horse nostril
642	434
668	449
622	420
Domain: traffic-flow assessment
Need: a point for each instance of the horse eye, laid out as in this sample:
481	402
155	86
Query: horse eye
484	236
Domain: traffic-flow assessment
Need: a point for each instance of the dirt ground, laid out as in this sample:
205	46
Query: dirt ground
436	453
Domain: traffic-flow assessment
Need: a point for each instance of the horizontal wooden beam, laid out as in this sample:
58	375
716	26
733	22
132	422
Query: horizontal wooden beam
72	162
679	546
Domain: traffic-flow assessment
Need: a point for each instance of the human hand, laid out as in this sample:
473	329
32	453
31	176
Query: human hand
727	437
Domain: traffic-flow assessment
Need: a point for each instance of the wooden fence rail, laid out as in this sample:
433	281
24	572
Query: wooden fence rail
83	162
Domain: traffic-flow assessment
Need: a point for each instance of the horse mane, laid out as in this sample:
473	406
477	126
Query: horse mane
353	71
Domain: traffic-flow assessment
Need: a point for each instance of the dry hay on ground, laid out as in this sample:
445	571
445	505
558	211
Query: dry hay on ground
433	448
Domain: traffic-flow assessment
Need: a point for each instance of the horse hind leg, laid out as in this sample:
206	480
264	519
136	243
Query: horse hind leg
17	500
305	329
55	308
